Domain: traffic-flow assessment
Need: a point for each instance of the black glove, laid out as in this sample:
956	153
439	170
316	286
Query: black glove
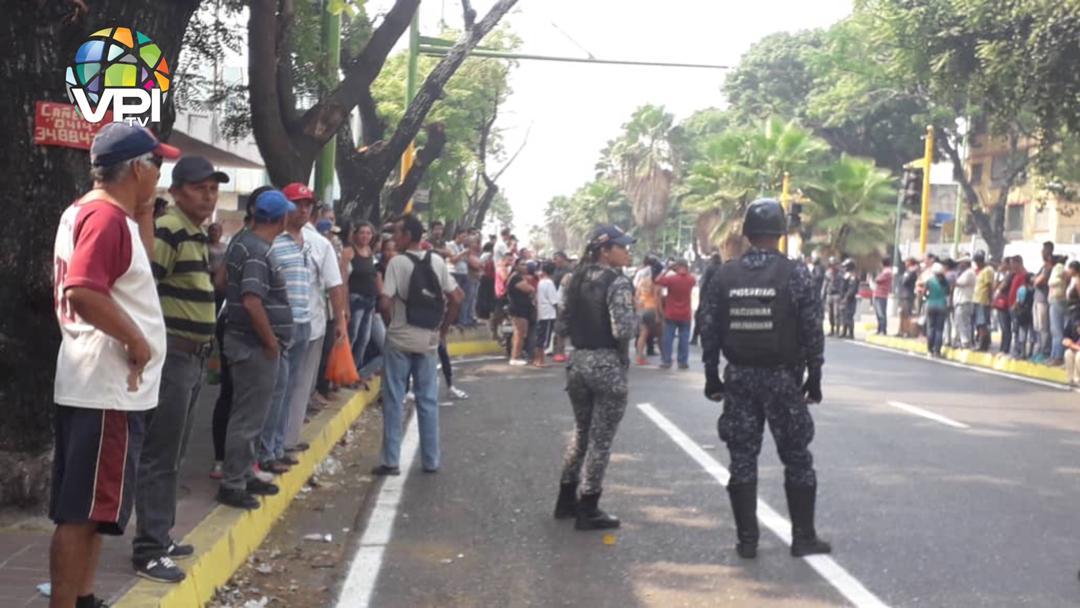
714	388
812	388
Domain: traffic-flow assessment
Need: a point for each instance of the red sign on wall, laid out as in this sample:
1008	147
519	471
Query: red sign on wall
58	124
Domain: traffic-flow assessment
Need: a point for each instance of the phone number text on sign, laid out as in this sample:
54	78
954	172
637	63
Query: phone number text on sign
58	124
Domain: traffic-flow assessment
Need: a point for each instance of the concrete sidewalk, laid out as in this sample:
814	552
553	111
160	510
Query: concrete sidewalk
223	537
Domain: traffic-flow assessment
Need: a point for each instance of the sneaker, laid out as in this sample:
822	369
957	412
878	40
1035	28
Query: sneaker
457	393
518	362
262	475
559	358
261	488
300	447
176	551
665	366
382	470
217	471
288	460
161	570
642	360
274	466
239	499
684	366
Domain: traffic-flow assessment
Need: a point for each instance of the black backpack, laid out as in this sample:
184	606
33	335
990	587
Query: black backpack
425	305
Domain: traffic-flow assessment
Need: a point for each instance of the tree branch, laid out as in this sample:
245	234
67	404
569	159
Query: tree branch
468	14
436	141
432	88
267	116
372	127
285	82
320	122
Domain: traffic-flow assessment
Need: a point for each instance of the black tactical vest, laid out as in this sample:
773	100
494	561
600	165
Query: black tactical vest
590	326
759	314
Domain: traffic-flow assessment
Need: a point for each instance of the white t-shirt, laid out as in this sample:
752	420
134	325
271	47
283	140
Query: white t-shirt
325	273
400	335
98	247
462	266
547	298
964	293
499	251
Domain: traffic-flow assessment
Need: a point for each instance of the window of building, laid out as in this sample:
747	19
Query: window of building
1014	218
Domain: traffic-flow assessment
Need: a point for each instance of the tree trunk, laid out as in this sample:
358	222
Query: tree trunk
40	39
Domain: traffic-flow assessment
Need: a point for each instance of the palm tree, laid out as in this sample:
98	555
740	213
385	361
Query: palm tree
643	162
851	205
739	166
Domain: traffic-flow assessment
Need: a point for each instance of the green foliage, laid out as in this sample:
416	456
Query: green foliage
470	103
738	166
852	206
570	219
643	160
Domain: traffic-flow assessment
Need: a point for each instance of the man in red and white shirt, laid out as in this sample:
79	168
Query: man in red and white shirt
108	370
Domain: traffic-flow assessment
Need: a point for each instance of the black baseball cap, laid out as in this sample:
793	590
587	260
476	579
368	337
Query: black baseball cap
194	169
610	233
119	141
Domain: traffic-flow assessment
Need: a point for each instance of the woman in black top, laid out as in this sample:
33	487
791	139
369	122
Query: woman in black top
365	285
522	309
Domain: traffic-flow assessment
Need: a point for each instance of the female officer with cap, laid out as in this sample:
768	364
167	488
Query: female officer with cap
600	322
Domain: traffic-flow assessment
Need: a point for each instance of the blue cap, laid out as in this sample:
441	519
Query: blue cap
610	233
119	141
272	205
324	226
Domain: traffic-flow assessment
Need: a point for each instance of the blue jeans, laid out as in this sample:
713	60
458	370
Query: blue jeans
374	365
935	329
468	307
362	309
881	307
399	367
272	439
1057	330
669	338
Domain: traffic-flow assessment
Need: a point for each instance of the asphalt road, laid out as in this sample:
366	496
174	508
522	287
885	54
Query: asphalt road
976	507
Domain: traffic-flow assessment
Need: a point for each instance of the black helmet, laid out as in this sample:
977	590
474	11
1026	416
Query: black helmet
765	217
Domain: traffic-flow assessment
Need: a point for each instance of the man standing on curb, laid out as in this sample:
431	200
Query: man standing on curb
291	252
984	287
181	266
108	370
418	303
324	274
259	321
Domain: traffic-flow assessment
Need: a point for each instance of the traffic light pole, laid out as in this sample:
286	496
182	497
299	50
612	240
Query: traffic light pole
928	160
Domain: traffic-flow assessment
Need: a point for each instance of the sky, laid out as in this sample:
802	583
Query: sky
568	111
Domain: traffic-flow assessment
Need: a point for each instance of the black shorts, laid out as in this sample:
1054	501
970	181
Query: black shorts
94	463
648	318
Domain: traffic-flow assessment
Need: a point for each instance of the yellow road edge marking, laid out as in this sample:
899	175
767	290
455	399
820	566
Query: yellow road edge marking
977	359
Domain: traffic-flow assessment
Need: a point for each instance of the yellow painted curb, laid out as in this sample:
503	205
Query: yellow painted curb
226	537
977	359
474	348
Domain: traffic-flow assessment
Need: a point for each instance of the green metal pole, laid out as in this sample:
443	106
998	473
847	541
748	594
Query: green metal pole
324	168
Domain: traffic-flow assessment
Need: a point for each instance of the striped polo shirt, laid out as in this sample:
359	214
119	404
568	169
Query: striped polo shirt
181	267
292	257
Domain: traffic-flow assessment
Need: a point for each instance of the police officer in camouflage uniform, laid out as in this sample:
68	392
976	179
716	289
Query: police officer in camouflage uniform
763	312
600	321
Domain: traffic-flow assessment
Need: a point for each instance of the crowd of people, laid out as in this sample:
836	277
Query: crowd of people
962	303
147	292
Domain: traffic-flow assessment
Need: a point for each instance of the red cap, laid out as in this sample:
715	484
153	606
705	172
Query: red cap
298	192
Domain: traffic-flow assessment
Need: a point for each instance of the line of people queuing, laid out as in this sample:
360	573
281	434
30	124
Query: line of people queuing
144	291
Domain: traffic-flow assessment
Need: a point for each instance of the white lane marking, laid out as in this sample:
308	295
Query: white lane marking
482	359
359	585
834	573
918	411
970	368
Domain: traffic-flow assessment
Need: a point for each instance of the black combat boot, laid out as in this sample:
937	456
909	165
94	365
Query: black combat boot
804	540
590	517
744	506
566	506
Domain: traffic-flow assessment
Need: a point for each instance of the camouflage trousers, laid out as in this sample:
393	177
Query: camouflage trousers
596	383
753	396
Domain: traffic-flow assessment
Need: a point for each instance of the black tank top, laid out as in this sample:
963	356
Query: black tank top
362	275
